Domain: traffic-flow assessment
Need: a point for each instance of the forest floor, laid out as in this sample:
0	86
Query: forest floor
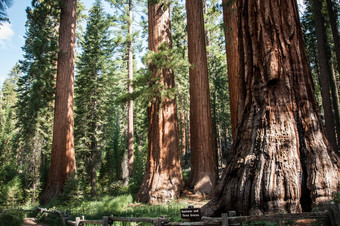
193	199
31	221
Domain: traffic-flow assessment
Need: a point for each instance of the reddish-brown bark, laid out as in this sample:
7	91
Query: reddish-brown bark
324	73
203	175
163	178
236	86
281	160
336	41
63	157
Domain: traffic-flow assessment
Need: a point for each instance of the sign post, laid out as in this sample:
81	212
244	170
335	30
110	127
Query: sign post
191	213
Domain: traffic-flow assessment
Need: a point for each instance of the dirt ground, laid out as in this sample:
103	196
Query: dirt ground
31	221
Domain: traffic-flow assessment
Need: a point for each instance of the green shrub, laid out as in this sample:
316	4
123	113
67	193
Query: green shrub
11	193
12	218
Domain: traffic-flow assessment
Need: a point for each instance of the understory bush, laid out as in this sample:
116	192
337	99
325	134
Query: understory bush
12	217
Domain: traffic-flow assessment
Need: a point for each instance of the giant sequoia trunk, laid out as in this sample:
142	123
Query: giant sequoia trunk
336	38
324	72
163	178
334	27
281	159
63	158
203	175
236	86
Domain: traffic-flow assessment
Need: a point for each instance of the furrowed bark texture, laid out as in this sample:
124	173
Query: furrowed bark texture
335	31
324	73
236	86
63	157
281	160
203	175
163	178
336	40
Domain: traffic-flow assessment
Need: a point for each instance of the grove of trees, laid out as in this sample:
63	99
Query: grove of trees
235	100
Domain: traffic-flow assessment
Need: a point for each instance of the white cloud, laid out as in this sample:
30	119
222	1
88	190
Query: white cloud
6	33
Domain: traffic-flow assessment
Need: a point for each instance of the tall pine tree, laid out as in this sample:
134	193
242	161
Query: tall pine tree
90	93
35	94
63	157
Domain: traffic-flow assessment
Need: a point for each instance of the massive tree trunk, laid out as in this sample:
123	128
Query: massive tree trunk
203	175
236	86
163	178
324	73
281	159
63	157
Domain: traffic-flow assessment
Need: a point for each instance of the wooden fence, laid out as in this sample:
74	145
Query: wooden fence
332	216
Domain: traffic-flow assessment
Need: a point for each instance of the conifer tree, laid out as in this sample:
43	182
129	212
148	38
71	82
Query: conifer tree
63	159
203	169
90	93
127	38
8	99
217	70
163	177
180	48
281	159
4	4
36	93
323	49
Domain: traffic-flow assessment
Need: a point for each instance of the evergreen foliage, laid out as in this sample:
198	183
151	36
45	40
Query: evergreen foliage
8	99
35	95
217	67
10	183
308	25
90	94
4	4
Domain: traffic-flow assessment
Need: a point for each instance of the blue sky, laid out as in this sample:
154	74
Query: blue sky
12	35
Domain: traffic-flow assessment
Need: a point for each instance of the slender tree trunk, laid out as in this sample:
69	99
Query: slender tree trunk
93	174
335	102
216	136
128	158
203	169
63	158
335	31
163	178
336	38
125	169
236	86
183	130
281	159
324	73
130	113
188	135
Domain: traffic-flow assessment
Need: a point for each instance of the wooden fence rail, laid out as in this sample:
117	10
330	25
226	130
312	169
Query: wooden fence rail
333	215
110	220
223	221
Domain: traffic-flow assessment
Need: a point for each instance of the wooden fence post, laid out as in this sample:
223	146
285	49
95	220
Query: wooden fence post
225	221
105	221
77	221
158	222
